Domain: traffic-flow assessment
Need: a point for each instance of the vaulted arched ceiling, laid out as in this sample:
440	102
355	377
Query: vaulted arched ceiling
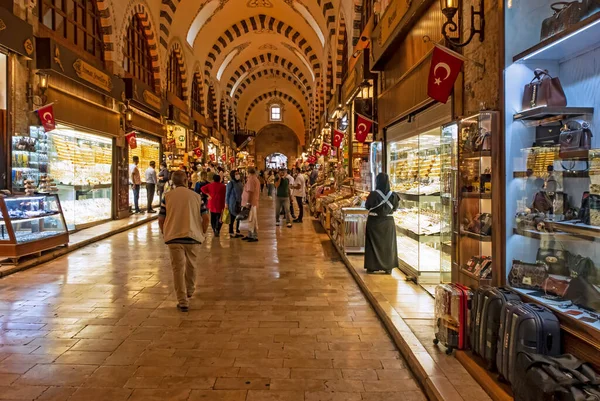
246	48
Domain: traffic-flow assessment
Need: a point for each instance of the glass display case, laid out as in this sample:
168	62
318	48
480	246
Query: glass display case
30	224
477	136
29	158
552	204
420	169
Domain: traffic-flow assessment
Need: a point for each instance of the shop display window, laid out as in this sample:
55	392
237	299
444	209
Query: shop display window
30	218
419	168
552	81
147	150
80	164
29	158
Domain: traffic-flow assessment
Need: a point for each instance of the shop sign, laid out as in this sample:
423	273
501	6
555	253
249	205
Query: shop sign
54	57
177	134
151	99
143	94
391	18
176	114
15	34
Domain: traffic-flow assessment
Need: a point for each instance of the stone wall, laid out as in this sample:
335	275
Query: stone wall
275	138
483	68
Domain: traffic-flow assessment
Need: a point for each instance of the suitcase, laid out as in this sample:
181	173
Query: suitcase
452	308
526	328
488	303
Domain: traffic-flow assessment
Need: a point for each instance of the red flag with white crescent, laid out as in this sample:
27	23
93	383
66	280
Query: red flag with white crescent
131	140
46	115
444	70
198	152
325	149
232	160
212	157
363	128
223	157
338	137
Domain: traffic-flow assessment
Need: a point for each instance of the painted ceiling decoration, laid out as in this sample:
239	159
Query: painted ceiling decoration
259	3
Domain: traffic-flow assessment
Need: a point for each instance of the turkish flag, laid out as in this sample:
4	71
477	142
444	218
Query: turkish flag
198	152
445	67
325	149
131	140
363	128
338	137
212	157
46	115
232	160
223	157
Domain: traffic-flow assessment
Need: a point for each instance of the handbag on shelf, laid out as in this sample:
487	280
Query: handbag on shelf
556	285
584	294
542	202
483	140
547	135
583	214
555	259
529	276
581	266
575	136
543	90
565	14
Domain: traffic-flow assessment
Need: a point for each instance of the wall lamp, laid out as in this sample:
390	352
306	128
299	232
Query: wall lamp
128	114
449	9
43	85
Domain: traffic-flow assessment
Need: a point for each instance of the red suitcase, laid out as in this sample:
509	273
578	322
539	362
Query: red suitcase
452	316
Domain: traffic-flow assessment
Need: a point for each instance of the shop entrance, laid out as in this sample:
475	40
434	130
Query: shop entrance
276	160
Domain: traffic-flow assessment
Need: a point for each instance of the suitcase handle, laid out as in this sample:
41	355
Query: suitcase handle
549	340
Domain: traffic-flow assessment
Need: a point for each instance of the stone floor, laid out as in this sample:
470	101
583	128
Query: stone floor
281	319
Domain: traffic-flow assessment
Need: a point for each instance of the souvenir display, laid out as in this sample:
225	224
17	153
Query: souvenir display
29	158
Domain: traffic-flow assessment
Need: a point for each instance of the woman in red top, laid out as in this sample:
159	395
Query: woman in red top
216	202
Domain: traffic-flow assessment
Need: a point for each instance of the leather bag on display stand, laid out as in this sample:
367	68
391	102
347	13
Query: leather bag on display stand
575	136
543	90
566	14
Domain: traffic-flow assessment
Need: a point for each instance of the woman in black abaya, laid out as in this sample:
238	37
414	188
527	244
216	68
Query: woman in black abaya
381	250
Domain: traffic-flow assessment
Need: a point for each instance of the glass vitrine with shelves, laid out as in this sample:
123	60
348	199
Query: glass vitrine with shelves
31	224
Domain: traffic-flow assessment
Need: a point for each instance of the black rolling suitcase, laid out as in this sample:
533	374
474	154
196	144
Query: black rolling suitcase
488	305
526	328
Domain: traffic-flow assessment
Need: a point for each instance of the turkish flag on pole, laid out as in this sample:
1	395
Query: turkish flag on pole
325	149
445	67
46	115
338	137
198	152
363	128
131	140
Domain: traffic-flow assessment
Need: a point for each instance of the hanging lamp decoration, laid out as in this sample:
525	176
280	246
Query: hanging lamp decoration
450	8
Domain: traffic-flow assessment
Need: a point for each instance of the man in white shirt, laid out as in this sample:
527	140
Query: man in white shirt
136	182
151	181
299	192
291	184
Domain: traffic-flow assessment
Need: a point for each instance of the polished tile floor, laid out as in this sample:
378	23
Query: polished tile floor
281	319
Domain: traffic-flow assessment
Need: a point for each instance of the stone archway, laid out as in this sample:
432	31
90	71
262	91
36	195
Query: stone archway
276	138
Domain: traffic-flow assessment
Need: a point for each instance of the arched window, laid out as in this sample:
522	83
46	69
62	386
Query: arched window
78	21
197	94
275	112
210	103
137	60
175	76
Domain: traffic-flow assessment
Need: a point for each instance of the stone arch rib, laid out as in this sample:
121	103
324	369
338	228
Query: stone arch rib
260	23
167	11
341	58
178	51
268	95
268	72
106	25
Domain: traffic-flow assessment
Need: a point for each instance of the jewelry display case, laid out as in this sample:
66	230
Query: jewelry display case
421	173
31	224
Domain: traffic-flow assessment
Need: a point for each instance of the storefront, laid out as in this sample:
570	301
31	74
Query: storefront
552	206
214	146
146	110
198	138
176	153
81	151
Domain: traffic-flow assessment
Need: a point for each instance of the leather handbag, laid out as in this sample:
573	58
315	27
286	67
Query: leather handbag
574	136
555	259
547	135
542	202
580	266
584	294
566	13
244	213
543	90
556	285
529	276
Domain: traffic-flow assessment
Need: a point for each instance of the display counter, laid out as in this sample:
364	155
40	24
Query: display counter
31	224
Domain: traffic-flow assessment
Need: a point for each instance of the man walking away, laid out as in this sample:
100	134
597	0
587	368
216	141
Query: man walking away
299	193
282	186
136	182
181	225
151	181
291	185
250	197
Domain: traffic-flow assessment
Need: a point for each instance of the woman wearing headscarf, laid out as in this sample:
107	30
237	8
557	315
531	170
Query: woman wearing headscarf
381	250
233	202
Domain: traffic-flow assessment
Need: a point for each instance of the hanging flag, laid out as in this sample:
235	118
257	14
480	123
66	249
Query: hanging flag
338	137
212	157
232	160
131	140
198	152
363	128
223	157
325	149
444	70
46	114
171	142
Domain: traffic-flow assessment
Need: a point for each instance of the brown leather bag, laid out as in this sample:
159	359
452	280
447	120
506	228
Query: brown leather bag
530	276
543	90
566	13
556	285
575	135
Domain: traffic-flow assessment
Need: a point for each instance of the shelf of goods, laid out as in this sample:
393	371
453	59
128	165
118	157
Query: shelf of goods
348	223
326	200
30	225
552	162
